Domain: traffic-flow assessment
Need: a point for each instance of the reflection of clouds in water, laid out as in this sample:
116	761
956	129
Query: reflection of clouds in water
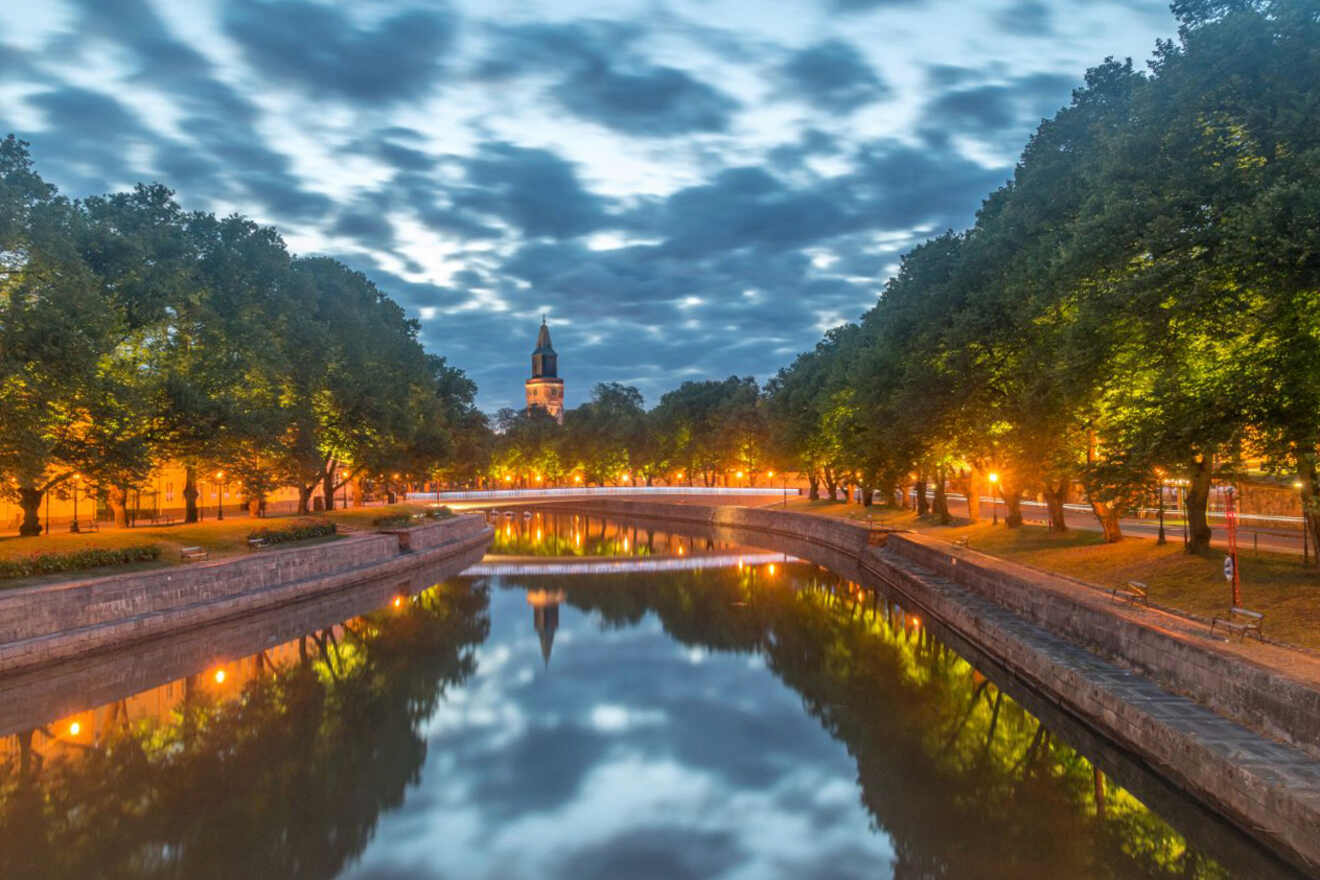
624	761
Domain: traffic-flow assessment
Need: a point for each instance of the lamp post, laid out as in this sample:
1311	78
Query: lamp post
73	527
219	495
343	484
994	495
1161	539
1306	522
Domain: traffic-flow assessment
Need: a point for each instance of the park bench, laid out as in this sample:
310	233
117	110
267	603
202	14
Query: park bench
1241	621
189	554
88	525
1134	592
256	543
960	542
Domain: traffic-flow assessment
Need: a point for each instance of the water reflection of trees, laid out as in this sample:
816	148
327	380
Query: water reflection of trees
548	533
964	780
288	779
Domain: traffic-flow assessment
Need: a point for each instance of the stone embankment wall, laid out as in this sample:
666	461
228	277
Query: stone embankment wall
1241	736
56	622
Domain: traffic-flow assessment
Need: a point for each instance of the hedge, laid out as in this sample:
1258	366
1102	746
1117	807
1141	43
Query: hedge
404	520
52	563
297	532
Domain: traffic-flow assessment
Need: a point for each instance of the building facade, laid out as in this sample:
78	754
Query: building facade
545	389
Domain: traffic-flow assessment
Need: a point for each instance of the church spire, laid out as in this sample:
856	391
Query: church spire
545	389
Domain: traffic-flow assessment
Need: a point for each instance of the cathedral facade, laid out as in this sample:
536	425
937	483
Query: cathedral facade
545	389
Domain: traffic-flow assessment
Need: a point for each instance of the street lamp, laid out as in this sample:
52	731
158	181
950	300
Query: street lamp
1161	540
220	495
994	496
77	478
1306	522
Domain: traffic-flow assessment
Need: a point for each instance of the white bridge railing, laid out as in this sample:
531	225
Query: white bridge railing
614	566
510	494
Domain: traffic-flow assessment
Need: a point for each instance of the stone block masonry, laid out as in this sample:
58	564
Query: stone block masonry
56	622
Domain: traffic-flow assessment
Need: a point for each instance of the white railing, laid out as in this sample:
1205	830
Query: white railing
501	494
576	565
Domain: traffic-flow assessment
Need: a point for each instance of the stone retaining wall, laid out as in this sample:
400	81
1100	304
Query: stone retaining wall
56	622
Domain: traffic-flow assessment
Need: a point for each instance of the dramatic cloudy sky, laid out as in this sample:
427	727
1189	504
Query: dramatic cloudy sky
691	188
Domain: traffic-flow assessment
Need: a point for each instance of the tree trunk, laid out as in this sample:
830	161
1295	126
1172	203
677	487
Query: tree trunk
1108	519
1012	510
941	504
1055	497
813	486
975	485
1012	493
254	507
305	499
831	488
866	495
328	489
118	500
190	494
923	504
29	499
1198	497
359	497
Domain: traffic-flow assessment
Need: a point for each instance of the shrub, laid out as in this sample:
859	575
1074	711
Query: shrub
299	531
95	557
404	520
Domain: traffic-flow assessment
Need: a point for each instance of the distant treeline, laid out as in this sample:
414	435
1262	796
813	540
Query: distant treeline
134	333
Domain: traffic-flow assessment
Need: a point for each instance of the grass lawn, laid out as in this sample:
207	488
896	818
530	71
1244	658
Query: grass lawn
221	538
1273	583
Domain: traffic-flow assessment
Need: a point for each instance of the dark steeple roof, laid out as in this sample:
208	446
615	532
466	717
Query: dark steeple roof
543	339
545	363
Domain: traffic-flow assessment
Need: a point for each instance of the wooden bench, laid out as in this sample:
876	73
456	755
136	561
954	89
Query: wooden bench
1134	592
960	542
190	554
255	543
1241	621
88	525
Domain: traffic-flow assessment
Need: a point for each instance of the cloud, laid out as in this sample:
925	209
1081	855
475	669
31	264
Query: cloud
1030	18
833	75
649	101
606	81
324	52
534	190
1000	113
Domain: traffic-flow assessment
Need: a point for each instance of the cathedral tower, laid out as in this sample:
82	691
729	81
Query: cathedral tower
545	389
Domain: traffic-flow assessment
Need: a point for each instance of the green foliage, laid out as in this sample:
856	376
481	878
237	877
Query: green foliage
132	332
53	563
1139	298
301	530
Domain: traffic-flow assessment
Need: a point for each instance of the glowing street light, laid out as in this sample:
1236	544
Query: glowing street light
219	676
994	492
220	495
75	728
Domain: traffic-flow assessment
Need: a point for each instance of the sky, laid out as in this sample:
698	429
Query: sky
689	189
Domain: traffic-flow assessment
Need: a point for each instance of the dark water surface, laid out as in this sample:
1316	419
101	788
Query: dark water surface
754	717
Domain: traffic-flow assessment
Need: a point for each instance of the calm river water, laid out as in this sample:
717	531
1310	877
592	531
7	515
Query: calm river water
597	700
